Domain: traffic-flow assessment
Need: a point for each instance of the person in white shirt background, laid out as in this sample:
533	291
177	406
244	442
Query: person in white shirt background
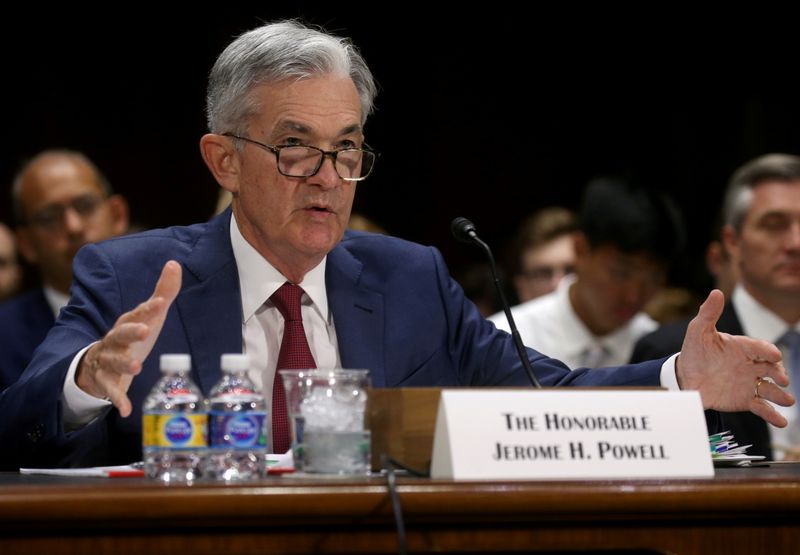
627	237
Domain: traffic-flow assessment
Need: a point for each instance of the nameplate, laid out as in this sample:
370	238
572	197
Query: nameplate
561	434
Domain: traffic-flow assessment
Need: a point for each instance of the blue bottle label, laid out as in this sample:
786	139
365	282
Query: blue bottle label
237	430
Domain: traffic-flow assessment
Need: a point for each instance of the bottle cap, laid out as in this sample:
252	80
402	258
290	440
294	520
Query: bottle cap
235	362
175	362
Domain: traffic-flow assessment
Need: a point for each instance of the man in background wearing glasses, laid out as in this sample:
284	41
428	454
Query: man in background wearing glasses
61	202
286	109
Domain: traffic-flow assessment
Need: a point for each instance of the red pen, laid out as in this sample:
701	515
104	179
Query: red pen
280	470
125	473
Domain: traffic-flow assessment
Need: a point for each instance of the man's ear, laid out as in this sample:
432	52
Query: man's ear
730	239
222	159
119	213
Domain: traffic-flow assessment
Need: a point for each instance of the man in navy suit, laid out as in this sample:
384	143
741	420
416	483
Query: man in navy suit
286	110
61	202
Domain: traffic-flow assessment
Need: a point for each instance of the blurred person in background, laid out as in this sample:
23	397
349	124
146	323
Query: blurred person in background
61	202
543	252
627	237
10	271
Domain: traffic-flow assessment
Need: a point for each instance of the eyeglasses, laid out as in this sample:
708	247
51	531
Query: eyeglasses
352	164
51	217
625	271
547	273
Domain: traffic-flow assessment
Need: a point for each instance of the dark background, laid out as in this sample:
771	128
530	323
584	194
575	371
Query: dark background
488	115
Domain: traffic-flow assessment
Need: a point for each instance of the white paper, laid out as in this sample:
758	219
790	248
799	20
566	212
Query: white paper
94	471
276	460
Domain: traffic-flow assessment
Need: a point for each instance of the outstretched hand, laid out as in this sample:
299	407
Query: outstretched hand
729	370
108	367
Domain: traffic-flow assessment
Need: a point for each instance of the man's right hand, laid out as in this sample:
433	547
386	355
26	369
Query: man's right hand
108	367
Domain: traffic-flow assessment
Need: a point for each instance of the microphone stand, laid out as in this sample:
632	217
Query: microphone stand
464	229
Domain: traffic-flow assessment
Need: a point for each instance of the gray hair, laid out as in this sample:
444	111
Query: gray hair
273	53
739	194
16	186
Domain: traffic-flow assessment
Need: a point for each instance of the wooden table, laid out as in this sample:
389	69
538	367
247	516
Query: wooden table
741	510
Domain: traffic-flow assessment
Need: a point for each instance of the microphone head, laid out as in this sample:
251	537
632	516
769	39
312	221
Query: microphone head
463	230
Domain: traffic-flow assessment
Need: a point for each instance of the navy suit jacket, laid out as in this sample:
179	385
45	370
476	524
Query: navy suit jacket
396	310
24	322
747	428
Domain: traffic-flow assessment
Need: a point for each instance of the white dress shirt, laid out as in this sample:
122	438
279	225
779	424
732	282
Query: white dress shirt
262	328
761	323
550	325
262	323
56	300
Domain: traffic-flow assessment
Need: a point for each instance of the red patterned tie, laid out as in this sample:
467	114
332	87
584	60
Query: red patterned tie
294	355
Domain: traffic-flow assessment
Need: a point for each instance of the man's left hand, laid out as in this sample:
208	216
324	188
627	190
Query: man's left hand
729	371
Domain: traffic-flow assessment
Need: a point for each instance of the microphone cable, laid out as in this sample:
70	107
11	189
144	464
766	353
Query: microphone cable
388	465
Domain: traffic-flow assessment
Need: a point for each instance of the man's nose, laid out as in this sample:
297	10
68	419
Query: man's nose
793	238
327	176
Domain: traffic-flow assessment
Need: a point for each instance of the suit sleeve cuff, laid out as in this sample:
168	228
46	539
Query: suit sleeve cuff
668	378
79	407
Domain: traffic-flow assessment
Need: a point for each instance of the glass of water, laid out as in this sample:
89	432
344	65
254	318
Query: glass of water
327	415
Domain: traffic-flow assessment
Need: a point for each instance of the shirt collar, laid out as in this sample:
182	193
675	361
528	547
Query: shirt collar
56	300
258	279
756	319
578	338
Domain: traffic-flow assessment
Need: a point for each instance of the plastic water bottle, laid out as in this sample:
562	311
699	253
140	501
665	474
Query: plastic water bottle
174	424
237	420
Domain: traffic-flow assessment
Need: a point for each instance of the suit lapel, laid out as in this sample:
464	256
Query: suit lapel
358	315
211	309
210	303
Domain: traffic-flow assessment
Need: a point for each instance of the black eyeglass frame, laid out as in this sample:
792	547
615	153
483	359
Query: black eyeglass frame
276	150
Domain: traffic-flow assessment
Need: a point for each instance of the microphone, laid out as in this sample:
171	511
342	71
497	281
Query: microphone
464	231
